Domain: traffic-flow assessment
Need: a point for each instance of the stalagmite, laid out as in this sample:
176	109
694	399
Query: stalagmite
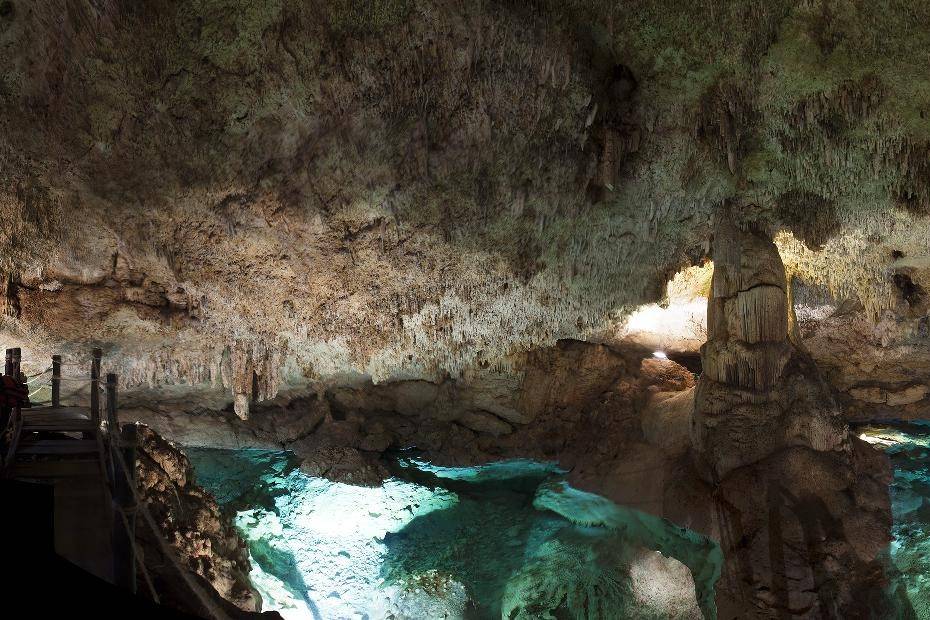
769	438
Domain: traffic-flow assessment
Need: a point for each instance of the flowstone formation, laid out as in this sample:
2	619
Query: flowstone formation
800	505
492	541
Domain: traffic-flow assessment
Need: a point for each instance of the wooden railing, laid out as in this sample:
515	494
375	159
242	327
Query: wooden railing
11	417
117	450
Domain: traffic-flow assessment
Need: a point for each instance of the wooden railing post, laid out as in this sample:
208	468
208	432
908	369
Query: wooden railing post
124	480
4	410
17	362
56	381
112	419
95	387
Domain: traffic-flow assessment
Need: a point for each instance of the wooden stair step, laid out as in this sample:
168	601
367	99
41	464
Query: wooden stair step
74	420
59	446
65	427
83	412
56	469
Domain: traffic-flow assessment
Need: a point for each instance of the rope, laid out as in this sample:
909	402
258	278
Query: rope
138	556
38	374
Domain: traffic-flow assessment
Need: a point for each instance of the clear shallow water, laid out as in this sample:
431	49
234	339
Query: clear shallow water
508	539
908	447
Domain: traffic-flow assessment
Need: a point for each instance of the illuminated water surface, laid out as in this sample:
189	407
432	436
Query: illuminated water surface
507	539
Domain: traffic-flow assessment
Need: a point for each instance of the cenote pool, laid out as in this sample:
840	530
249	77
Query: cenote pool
505	540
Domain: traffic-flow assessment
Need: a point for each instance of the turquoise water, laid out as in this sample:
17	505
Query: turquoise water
508	539
908	447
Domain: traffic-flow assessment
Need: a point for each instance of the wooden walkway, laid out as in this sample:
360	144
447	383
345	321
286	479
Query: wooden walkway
46	451
90	461
76	468
69	448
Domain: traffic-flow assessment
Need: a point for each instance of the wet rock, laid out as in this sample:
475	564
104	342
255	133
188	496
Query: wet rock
667	421
484	422
344	464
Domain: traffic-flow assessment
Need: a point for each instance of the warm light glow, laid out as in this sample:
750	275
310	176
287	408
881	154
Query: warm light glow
660	327
680	321
660	354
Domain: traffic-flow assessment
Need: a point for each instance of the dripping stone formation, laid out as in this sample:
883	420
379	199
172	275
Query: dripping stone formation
417	309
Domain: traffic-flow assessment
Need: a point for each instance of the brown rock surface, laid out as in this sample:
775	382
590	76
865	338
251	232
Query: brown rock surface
876	371
203	540
346	227
799	506
252	194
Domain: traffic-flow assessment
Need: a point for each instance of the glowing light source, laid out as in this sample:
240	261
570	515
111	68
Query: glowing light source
660	354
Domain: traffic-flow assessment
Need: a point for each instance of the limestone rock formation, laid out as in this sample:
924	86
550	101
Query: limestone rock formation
201	537
758	393
345	228
877	370
577	402
251	194
799	505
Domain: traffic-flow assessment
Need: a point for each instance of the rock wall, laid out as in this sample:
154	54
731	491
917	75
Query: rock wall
576	402
877	371
799	505
203	539
419	188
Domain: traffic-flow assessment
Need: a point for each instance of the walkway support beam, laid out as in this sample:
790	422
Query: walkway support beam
124	504
95	386
56	381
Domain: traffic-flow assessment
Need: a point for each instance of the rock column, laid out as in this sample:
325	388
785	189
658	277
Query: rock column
800	505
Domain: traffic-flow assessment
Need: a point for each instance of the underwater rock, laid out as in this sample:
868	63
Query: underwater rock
701	556
567	577
456	543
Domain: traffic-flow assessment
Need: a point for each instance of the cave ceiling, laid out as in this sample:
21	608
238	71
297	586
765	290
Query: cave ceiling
416	188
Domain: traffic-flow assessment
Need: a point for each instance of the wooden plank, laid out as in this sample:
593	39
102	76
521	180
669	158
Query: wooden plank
59	446
63	426
51	419
72	411
63	423
56	415
56	469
